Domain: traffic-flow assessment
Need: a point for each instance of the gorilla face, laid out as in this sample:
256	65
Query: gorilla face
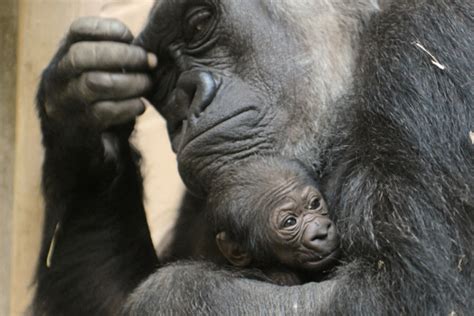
228	81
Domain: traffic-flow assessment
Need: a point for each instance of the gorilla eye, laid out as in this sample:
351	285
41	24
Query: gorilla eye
314	204
198	24
290	221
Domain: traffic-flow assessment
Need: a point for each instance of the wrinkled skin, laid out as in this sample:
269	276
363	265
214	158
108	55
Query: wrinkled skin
270	214
203	76
303	235
340	84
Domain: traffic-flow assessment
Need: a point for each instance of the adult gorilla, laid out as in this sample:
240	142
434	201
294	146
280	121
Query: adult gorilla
376	97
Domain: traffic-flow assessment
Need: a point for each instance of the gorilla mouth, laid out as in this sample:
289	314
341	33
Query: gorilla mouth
191	131
321	262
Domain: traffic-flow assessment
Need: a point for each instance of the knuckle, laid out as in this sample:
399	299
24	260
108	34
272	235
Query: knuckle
73	50
126	34
146	81
133	85
84	25
114	113
74	55
118	28
137	54
141	83
97	82
135	106
100	28
100	114
107	113
77	26
101	80
116	25
114	22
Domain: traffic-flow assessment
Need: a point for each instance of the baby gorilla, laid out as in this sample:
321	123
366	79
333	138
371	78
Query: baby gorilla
269	214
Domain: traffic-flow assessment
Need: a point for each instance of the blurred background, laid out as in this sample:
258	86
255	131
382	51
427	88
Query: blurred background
30	33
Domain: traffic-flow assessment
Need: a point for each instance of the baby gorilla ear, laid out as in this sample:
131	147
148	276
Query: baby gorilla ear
232	251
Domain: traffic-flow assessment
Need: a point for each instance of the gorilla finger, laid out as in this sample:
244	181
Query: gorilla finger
95	28
110	113
98	86
111	56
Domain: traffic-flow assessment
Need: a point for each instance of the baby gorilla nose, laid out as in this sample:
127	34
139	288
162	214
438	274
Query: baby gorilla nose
319	235
195	90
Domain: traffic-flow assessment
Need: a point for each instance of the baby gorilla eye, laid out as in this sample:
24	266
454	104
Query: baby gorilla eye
314	204
290	221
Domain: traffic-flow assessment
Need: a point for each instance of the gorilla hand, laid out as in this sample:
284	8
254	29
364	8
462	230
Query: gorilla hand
96	78
88	99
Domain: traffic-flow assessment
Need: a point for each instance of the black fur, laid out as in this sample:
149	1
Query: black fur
400	179
399	175
403	173
99	240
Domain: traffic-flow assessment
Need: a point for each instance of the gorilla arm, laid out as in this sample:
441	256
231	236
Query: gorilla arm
87	102
203	289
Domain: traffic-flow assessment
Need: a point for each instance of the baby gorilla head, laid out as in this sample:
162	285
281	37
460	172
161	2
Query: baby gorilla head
270	213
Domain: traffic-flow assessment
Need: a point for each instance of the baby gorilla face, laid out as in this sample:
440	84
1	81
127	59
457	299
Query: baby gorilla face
301	232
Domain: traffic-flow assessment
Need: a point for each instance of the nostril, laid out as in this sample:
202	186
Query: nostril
328	225
195	90
321	229
183	98
320	234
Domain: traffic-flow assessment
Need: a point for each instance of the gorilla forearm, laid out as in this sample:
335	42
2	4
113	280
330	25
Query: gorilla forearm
102	248
203	289
92	188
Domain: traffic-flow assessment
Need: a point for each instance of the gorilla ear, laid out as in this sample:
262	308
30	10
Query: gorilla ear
232	251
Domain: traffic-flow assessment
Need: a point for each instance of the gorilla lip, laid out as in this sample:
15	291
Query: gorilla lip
183	138
321	263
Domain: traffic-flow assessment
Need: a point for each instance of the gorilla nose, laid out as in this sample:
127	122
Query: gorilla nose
317	234
195	90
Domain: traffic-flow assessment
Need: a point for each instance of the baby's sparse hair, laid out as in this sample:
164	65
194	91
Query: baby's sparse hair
235	199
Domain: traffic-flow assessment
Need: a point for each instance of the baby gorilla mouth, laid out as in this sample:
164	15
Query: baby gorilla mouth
319	262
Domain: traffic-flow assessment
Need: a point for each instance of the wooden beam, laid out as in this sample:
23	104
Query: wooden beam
8	41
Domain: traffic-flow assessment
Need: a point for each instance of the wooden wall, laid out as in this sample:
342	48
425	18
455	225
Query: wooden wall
33	30
8	38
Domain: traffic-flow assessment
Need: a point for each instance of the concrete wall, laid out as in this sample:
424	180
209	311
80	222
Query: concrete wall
40	25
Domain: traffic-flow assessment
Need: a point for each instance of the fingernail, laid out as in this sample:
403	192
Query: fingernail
152	60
